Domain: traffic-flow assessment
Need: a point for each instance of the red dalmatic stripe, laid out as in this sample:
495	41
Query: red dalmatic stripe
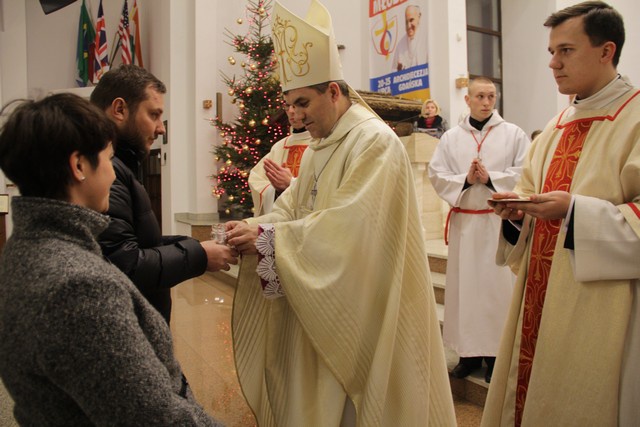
294	158
559	177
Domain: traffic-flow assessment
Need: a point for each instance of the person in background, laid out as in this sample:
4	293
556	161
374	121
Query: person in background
431	120
476	158
274	172
569	353
133	99
336	324
535	133
79	344
412	47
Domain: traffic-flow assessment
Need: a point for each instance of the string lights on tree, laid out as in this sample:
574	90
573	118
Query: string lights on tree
260	119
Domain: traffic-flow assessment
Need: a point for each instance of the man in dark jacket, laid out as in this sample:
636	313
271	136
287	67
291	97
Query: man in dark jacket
134	99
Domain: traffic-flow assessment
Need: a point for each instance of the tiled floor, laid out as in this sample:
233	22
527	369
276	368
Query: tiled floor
202	333
201	327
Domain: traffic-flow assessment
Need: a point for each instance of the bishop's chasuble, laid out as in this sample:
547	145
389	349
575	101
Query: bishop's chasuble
569	353
289	151
357	322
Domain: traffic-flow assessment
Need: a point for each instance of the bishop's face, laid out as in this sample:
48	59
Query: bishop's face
318	111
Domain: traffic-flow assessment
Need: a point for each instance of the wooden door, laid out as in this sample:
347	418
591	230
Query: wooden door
152	181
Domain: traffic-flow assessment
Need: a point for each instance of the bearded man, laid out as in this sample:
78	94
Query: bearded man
133	99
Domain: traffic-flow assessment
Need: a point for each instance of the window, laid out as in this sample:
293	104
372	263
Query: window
484	42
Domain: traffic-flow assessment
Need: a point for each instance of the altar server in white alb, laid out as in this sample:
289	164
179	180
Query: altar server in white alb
274	172
569	354
480	156
338	325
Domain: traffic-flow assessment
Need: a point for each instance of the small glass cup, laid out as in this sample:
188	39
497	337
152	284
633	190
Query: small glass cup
218	234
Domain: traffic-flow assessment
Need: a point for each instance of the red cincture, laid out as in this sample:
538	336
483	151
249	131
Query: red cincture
545	235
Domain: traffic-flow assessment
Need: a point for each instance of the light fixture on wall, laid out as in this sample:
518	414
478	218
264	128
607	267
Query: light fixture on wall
49	6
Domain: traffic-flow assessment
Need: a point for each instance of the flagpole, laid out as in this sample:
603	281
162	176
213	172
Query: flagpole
116	46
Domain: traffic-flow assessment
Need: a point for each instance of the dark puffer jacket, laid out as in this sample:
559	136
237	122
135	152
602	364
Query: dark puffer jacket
134	243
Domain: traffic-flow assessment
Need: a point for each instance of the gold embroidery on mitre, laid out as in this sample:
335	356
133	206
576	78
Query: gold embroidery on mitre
289	54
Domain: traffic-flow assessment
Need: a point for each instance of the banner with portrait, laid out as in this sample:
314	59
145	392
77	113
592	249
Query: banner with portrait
398	54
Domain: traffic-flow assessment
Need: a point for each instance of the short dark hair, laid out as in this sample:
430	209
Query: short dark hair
128	82
481	79
602	23
322	87
38	138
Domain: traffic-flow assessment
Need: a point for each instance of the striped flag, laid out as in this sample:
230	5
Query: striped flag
84	51
123	35
101	61
136	46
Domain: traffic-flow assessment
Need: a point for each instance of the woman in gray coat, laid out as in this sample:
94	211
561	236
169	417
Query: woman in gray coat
79	345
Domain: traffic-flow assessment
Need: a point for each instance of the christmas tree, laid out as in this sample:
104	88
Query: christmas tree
260	121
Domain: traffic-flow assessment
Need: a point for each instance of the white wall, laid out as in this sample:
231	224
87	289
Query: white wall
184	45
530	94
52	40
13	64
447	56
13	51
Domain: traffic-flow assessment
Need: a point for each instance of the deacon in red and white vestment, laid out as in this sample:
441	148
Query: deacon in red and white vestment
578	279
287	151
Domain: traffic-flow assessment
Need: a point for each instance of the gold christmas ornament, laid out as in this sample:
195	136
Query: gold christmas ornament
265	121
233	101
244	174
218	196
245	147
223	134
258	141
227	211
248	90
231	198
239	21
229	162
231	92
241	106
231	60
252	123
252	66
243	64
261	11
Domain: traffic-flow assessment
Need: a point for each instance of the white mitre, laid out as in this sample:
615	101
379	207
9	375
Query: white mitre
306	49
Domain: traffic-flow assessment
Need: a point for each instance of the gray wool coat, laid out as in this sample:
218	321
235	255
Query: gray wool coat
79	344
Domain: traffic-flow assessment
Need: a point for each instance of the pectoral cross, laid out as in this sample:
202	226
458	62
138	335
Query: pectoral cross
314	193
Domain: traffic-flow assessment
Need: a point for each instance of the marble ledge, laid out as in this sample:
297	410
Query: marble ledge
197	218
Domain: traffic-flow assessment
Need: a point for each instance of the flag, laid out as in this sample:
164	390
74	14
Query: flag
136	46
84	51
101	57
123	35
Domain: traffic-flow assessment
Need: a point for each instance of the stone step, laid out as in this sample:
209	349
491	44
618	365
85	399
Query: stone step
438	282
472	388
437	255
